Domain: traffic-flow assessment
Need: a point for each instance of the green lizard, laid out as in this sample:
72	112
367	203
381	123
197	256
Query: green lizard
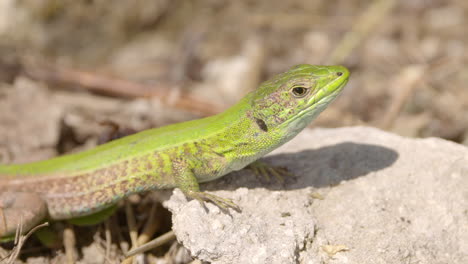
180	155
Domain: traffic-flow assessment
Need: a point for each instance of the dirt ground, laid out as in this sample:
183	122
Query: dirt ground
77	73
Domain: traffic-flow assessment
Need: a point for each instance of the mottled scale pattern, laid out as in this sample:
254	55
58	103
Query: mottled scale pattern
82	194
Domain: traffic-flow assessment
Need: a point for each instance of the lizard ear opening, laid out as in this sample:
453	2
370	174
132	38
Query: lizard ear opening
261	124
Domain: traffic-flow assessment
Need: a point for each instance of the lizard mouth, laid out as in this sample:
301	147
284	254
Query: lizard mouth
326	94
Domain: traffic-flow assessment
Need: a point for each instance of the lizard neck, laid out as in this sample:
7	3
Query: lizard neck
243	139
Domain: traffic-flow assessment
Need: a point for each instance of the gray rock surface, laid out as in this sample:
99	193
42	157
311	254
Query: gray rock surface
359	195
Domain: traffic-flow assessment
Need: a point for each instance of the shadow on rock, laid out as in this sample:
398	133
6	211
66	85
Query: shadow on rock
323	167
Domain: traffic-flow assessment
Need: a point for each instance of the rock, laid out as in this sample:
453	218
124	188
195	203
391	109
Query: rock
29	122
262	233
359	195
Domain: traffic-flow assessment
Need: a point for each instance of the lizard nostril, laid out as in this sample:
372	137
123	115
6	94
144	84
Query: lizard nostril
339	73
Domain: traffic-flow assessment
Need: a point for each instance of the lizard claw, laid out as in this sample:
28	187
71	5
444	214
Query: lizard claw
261	168
223	203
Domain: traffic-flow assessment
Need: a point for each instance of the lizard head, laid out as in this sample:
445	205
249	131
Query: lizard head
290	101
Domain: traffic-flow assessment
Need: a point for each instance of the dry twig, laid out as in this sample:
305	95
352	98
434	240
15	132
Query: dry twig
120	87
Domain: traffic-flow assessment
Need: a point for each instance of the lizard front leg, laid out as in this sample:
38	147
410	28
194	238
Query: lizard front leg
20	210
186	180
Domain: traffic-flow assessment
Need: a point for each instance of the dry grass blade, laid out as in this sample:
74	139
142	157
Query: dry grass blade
108	239
152	244
406	83
20	240
151	226
363	26
69	242
132	230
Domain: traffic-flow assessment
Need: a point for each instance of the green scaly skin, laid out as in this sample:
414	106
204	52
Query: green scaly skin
180	155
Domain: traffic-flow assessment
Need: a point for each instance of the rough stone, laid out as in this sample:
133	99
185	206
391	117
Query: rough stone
358	195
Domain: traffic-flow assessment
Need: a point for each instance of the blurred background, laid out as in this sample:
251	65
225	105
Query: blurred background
76	73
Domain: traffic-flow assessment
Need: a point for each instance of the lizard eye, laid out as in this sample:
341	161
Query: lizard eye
299	91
